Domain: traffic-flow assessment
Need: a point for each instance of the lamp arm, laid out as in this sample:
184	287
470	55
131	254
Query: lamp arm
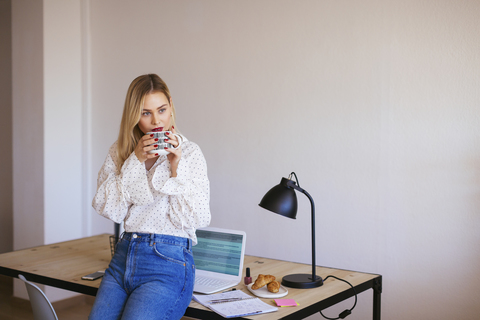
292	184
313	234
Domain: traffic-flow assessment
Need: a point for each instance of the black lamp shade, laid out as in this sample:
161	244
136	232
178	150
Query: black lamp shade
281	200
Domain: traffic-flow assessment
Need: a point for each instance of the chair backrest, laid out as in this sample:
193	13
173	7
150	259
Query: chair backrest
41	306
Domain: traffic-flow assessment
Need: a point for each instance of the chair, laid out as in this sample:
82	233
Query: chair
41	306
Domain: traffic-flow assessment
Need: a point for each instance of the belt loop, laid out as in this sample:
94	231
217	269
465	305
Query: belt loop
152	239
189	244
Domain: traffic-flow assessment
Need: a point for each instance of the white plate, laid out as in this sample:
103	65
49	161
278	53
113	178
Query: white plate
264	293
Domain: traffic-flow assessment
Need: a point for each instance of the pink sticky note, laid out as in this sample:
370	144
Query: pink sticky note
285	302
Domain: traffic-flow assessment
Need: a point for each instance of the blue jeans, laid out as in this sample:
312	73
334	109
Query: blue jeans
150	277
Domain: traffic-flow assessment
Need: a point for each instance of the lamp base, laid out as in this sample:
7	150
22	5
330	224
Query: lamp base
302	281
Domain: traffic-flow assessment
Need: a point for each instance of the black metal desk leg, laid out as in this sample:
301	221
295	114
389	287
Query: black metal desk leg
377	296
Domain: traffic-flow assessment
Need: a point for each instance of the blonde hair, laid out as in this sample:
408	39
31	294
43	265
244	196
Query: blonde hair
130	133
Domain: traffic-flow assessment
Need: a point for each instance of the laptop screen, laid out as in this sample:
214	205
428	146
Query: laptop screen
218	252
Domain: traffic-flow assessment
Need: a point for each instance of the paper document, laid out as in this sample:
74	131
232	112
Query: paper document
234	304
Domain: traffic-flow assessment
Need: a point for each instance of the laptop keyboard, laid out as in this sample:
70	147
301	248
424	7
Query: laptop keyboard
210	282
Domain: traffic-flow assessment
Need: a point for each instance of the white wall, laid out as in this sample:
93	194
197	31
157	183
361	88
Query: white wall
27	112
47	125
27	106
374	104
63	115
64	218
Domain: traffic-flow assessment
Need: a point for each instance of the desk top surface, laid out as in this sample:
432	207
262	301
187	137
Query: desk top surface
70	260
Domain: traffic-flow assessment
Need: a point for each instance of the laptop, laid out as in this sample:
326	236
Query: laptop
218	257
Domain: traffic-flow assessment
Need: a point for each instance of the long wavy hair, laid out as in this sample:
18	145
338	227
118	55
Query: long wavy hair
130	133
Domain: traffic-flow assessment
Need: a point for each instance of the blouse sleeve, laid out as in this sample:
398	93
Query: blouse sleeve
189	192
116	192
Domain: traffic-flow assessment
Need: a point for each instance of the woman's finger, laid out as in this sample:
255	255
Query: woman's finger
173	142
151	155
148	140
150	147
172	150
172	139
175	151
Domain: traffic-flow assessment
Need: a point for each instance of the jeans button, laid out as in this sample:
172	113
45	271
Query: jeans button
135	236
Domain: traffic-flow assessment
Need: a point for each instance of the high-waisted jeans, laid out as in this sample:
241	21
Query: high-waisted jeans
150	277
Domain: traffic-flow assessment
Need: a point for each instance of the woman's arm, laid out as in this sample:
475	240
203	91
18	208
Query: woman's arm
189	191
116	192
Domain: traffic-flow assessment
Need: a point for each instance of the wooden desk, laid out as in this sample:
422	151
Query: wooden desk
63	264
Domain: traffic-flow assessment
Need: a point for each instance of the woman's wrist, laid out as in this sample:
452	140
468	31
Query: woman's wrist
173	169
138	157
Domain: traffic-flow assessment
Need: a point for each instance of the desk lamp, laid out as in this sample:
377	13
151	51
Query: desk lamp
282	200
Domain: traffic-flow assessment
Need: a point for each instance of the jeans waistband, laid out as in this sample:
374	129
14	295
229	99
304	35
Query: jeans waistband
157	238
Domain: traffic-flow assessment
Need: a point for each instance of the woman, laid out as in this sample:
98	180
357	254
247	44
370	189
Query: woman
162	200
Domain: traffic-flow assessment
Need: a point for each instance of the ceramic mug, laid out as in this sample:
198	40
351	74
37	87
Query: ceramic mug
161	136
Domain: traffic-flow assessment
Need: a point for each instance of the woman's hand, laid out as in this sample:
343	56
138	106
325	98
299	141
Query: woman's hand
174	155
145	144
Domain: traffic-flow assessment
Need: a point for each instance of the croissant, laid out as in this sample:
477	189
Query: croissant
262	280
273	286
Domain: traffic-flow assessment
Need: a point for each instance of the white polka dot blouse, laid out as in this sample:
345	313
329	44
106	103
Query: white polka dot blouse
150	201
